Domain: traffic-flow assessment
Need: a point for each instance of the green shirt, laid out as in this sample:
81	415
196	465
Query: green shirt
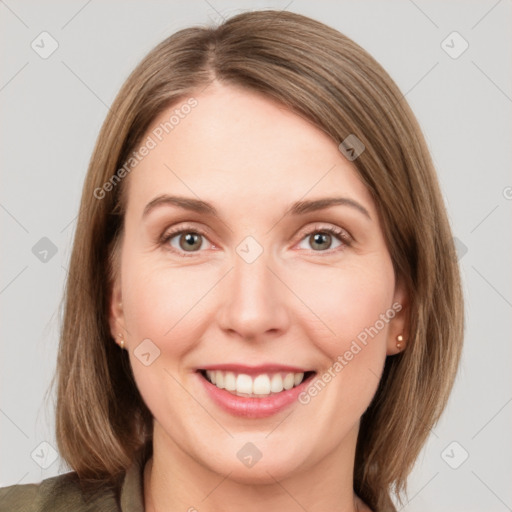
63	494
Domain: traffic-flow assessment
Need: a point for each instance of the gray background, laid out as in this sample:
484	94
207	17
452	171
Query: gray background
52	110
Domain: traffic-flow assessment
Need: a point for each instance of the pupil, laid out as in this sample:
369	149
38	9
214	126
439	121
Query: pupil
320	238
189	240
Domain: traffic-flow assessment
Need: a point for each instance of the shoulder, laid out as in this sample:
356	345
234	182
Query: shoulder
60	493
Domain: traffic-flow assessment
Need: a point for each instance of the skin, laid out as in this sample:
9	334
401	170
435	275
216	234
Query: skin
298	303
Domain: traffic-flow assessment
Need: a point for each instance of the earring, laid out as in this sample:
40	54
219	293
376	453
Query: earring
399	340
121	342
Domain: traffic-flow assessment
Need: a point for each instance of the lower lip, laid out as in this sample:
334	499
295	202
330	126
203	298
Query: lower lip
249	407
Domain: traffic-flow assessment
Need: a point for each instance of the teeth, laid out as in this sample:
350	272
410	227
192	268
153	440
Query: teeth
276	384
244	384
219	380
260	385
230	381
297	378
288	381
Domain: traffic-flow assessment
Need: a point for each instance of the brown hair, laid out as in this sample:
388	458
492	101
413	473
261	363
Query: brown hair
101	420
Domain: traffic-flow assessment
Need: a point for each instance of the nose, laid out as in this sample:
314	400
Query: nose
255	307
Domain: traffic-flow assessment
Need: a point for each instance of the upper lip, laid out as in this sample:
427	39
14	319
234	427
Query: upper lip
255	370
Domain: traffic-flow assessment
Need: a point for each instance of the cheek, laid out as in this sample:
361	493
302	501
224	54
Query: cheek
347	381
357	307
352	307
164	303
347	301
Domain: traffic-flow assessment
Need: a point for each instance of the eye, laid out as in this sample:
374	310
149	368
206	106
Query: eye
187	240
321	238
190	240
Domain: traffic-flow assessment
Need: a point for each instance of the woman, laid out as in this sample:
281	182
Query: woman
253	367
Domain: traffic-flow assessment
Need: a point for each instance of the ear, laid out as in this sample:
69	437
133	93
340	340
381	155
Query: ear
116	314
398	332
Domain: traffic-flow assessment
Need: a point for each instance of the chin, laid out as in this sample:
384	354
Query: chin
252	465
261	473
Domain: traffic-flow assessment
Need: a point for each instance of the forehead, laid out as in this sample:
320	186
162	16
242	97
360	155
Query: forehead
239	147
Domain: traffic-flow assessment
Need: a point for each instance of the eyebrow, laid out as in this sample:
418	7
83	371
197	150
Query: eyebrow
297	208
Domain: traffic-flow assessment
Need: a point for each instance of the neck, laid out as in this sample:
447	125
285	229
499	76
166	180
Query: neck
173	481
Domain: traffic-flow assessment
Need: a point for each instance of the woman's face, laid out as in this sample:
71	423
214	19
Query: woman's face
256	291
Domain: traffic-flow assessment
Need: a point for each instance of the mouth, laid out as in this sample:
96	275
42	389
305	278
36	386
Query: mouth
254	384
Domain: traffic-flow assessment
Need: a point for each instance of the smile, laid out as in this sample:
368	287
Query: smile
263	384
254	392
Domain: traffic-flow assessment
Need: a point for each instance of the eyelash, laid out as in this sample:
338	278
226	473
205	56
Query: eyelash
338	233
